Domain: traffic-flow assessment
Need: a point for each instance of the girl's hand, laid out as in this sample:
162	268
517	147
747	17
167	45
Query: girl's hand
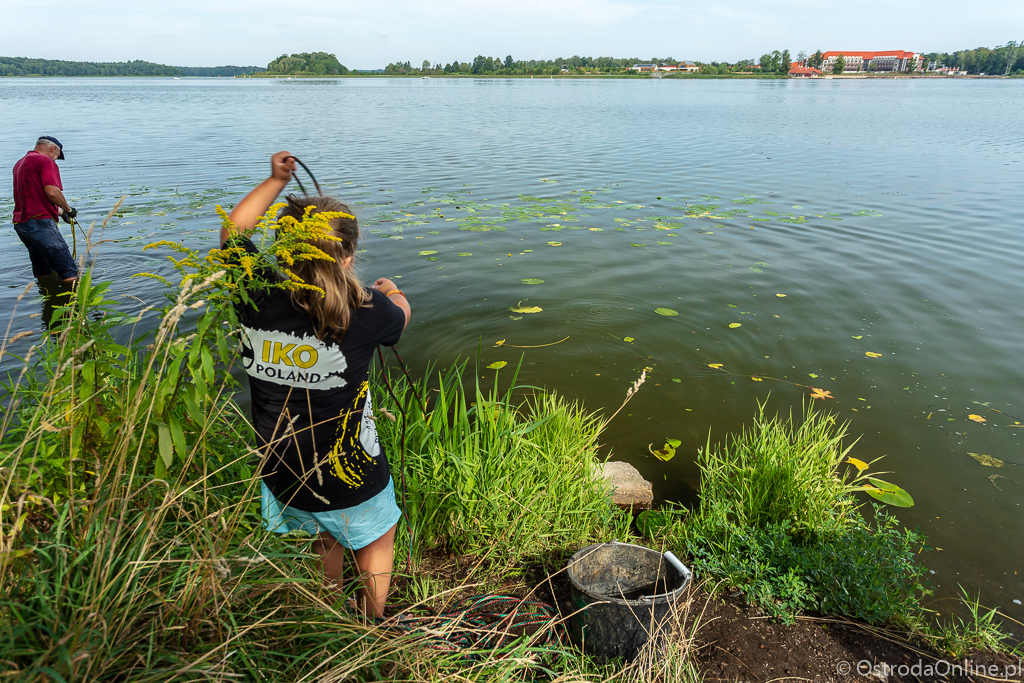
282	165
252	207
384	285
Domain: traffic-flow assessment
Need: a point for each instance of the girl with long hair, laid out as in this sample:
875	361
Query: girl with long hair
307	354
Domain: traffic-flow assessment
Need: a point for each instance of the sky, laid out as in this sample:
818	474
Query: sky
369	35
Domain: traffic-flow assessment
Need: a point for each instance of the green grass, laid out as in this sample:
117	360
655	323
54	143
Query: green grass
131	543
489	474
778	520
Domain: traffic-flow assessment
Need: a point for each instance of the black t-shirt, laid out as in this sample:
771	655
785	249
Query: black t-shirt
311	403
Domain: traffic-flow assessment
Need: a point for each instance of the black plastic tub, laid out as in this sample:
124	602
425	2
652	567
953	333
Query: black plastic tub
623	595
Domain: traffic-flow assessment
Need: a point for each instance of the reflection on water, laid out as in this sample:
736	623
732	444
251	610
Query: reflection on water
894	243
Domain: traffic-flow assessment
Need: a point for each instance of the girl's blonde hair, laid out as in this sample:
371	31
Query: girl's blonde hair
343	290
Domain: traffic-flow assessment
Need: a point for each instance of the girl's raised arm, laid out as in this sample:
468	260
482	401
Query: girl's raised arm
256	203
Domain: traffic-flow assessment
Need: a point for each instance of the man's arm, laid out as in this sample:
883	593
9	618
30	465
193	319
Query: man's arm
56	197
255	204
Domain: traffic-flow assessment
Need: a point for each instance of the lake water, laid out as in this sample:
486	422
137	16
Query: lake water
888	213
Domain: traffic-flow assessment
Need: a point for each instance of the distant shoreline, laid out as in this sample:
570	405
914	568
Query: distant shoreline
669	76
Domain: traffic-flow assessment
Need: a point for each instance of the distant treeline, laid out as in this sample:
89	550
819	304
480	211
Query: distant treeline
513	67
982	60
24	66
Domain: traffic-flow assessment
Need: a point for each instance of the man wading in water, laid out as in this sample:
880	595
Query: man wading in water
38	202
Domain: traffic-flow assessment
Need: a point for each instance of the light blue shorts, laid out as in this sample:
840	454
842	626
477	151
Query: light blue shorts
353	527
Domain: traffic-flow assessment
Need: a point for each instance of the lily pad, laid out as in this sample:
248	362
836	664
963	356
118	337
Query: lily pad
666	311
554	244
465	253
526	309
428	252
667	452
531	281
890	494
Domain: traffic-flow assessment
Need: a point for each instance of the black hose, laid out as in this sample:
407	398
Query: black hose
306	169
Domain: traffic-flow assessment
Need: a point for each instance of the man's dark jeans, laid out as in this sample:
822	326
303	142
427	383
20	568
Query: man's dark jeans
47	248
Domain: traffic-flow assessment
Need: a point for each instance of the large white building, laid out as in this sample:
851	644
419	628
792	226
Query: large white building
892	60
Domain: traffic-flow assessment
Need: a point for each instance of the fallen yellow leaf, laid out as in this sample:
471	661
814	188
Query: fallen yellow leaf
757	379
976	418
715	365
859	464
735	325
820	393
872	354
781	296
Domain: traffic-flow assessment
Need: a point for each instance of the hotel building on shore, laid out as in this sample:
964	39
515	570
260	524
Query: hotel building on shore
892	60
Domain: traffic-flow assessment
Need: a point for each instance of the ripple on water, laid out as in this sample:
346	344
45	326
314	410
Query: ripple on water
601	310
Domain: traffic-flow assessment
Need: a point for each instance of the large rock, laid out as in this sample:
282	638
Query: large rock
627	489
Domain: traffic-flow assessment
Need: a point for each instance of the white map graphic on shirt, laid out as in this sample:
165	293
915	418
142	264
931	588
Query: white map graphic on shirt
293	361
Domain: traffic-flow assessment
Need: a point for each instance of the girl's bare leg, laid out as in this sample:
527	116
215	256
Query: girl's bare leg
375	562
332	560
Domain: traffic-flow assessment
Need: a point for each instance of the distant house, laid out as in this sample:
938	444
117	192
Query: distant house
892	60
689	67
667	67
798	71
644	67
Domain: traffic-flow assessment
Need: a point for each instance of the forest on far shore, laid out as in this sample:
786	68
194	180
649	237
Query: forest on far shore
981	60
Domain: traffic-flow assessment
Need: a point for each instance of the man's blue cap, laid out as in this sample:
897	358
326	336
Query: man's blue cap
54	141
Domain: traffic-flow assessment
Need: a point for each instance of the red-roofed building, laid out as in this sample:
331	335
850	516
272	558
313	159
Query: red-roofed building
799	71
892	60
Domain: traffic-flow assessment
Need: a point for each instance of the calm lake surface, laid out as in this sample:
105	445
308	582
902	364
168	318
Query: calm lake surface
889	214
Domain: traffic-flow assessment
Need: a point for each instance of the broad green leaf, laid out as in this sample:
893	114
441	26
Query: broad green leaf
497	365
166	445
666	311
667	452
890	494
178	437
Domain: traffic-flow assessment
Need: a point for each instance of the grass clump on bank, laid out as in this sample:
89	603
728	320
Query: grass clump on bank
487	474
778	520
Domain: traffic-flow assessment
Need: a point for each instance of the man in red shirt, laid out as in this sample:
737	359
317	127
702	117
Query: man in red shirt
38	202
